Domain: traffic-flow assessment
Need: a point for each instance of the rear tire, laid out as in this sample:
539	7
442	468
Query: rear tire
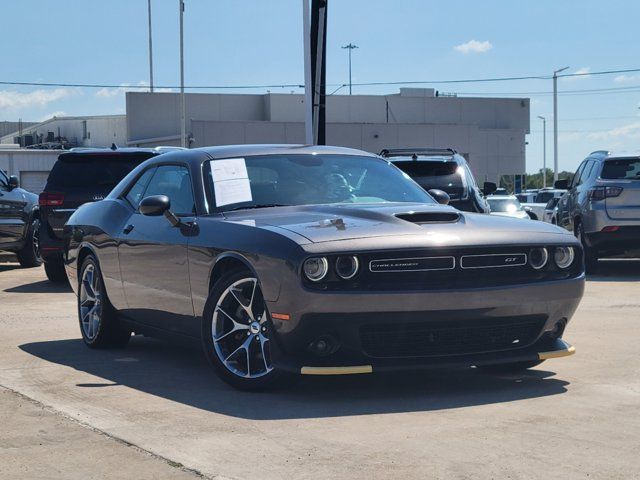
29	254
99	323
237	332
511	367
55	271
590	255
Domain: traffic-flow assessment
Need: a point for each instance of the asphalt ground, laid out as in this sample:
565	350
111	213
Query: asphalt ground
155	410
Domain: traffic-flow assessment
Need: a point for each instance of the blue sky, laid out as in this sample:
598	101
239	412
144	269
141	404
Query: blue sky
235	42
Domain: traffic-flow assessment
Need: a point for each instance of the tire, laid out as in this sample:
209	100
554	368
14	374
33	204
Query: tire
511	367
241	359
55	271
590	255
29	254
99	323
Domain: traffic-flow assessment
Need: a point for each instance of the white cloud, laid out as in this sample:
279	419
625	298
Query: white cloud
36	98
57	113
125	87
626	78
580	74
473	46
632	130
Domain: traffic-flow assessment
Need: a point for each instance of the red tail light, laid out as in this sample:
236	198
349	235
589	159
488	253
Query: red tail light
600	193
611	228
51	199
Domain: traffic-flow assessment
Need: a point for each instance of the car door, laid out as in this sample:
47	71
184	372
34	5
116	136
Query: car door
568	200
153	253
12	212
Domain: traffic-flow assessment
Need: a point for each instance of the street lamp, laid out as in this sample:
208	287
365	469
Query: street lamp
544	151
350	47
555	122
150	49
183	125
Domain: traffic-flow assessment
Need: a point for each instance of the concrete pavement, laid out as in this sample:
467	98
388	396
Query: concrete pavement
577	417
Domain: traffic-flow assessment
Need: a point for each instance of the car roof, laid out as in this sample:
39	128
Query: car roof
127	152
607	155
502	197
422	154
228	151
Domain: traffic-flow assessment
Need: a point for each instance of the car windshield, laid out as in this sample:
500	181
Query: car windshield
621	169
544	197
92	170
274	180
445	175
508	205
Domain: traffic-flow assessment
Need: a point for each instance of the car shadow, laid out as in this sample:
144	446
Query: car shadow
41	286
617	270
181	374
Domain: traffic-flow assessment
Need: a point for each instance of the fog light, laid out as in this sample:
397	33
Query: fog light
538	258
316	269
324	346
563	257
347	267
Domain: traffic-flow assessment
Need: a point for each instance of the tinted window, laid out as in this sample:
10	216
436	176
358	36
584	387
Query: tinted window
323	179
576	176
137	190
621	168
551	204
586	171
447	176
4	181
173	181
544	197
93	170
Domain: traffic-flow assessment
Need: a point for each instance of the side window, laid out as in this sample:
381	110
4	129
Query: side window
576	176
586	172
4	181
173	181
135	195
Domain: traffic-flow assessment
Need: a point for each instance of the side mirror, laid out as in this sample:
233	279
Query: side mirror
13	182
561	184
531	214
440	196
489	187
157	205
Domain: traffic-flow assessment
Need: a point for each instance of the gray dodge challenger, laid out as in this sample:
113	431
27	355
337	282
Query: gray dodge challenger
287	260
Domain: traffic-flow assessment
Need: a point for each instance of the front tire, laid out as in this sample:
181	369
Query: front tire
237	332
99	324
55	271
29	254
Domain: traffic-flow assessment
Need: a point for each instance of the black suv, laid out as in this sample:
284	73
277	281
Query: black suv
442	169
19	220
79	176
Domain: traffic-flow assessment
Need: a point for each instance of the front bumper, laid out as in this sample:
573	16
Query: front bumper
514	322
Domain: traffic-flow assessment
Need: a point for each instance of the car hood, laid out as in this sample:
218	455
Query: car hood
435	224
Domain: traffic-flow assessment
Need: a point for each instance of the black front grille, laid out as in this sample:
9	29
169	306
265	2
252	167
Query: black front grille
449	338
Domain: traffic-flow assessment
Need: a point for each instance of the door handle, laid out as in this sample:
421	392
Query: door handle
127	229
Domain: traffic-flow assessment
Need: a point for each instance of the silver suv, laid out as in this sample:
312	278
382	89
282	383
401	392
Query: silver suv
602	205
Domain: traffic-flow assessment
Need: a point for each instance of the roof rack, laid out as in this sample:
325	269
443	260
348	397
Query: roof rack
391	152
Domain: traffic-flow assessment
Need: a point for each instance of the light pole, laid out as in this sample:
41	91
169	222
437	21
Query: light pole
183	126
350	47
150	49
544	151
555	122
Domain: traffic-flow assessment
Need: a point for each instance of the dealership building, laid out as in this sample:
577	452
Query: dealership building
489	132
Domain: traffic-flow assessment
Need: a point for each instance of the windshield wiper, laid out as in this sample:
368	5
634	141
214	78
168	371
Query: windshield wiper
263	205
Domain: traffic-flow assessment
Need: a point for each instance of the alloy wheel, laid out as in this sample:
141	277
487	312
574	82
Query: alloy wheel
239	330
90	303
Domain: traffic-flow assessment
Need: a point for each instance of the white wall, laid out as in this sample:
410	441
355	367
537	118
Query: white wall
16	162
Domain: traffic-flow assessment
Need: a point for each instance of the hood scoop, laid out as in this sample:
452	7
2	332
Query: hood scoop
429	217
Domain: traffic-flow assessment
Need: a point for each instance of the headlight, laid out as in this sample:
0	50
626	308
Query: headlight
563	257
347	267
538	258
316	269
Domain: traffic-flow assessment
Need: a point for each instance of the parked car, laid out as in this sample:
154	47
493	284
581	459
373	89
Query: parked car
443	169
79	176
538	201
288	260
551	210
602	206
506	206
19	221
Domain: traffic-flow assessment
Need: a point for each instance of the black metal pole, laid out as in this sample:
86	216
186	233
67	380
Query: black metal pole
318	67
